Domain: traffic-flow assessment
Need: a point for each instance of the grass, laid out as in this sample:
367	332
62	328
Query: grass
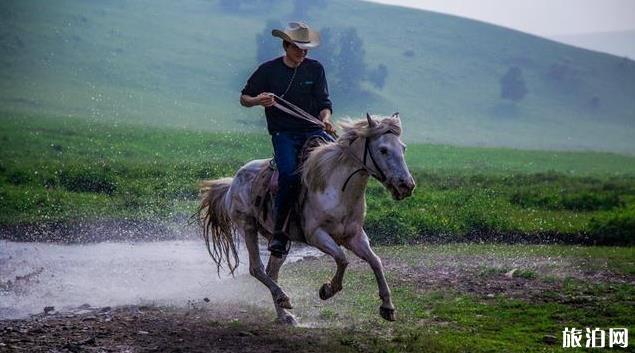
447	319
62	169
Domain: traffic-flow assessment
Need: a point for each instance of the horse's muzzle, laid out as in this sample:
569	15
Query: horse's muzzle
402	187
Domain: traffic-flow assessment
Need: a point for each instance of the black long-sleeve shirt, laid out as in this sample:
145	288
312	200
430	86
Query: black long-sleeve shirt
308	91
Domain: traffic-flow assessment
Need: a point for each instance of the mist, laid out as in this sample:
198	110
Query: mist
118	63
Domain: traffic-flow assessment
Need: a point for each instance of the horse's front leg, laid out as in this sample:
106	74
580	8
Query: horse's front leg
360	246
323	241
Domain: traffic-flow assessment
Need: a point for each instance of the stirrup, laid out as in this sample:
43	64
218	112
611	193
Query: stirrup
279	248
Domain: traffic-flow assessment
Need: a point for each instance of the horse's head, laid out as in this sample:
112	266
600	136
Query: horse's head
384	155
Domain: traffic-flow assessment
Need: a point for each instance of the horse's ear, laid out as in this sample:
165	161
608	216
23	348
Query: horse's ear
371	122
396	116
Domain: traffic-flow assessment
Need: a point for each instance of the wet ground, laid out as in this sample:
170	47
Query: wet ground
38	275
165	296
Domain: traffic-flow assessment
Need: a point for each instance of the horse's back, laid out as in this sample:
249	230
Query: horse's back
241	188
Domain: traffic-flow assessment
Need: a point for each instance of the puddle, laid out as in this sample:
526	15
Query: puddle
36	275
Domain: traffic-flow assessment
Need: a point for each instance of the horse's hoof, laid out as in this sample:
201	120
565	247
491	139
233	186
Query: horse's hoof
387	313
326	291
288	320
284	302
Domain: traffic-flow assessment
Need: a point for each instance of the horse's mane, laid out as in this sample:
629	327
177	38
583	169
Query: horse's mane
324	158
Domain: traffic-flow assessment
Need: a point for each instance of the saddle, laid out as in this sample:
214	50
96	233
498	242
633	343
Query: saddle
266	186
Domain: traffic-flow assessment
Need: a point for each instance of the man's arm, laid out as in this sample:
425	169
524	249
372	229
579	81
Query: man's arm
325	116
265	99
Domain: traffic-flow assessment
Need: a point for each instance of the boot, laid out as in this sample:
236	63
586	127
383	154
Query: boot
278	244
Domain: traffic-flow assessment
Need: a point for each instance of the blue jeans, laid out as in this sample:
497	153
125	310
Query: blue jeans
287	146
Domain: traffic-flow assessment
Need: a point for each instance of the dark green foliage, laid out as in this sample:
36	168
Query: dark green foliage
325	54
268	47
389	228
614	228
350	64
513	85
19	177
378	76
579	200
88	179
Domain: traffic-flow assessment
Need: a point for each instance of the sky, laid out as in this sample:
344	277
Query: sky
546	18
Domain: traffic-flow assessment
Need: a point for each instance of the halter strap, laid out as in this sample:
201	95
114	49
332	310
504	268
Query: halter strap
367	152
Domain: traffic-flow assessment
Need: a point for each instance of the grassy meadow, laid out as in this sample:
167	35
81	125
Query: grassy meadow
57	170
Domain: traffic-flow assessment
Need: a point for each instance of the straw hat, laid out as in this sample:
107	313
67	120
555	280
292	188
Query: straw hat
299	34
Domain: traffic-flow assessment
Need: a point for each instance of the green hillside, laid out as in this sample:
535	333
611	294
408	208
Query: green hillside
182	63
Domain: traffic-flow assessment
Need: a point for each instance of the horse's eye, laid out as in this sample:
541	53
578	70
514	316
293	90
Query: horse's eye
383	150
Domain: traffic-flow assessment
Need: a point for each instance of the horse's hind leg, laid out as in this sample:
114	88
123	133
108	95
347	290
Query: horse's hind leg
323	241
360	246
273	268
257	270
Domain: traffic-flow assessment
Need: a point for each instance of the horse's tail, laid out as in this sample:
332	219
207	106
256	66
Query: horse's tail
214	218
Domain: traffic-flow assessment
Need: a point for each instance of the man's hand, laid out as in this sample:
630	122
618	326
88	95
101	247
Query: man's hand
328	127
265	99
325	116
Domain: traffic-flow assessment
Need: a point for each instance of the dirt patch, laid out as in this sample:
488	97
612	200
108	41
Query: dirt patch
531	278
157	329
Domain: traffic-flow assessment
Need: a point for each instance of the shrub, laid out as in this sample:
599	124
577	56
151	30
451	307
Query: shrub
88	180
19	177
591	201
617	228
389	228
586	200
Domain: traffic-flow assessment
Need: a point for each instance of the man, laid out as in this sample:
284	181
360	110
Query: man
302	82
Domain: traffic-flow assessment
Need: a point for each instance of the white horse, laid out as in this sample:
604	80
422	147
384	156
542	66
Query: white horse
335	176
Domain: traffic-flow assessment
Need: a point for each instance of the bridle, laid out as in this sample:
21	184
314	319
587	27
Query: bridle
367	152
301	114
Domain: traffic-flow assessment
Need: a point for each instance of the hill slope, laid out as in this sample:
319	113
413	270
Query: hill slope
183	64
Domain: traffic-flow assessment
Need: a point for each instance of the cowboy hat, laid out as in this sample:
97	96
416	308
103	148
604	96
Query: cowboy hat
299	34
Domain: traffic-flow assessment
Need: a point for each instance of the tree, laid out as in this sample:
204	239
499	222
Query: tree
267	47
326	52
350	64
378	76
513	84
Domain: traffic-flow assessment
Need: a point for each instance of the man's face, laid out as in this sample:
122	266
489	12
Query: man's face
295	54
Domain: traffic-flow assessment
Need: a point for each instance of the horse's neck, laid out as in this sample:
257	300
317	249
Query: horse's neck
350	189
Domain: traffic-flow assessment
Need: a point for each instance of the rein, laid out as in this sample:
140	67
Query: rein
367	152
296	111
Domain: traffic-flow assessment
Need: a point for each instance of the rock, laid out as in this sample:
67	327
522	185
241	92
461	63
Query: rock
48	309
206	299
105	309
549	339
510	274
84	306
245	334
